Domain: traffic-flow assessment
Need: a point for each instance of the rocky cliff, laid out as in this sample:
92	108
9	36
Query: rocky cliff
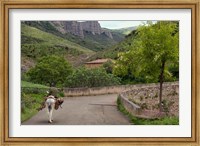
78	28
74	28
91	26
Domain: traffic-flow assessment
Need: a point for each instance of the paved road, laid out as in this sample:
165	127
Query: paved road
85	110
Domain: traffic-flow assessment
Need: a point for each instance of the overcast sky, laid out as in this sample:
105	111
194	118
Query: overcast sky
119	24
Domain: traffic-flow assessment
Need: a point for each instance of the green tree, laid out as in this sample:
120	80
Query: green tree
50	70
155	49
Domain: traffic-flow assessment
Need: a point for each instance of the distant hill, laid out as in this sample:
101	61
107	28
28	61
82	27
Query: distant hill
125	31
88	34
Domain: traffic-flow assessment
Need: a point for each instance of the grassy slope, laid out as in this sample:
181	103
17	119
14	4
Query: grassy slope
32	85
50	39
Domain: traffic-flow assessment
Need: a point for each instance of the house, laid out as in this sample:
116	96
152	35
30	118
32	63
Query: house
96	63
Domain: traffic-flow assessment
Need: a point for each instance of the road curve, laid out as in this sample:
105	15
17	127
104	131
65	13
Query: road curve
84	110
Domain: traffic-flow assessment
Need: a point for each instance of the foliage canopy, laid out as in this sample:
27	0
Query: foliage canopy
50	70
154	50
153	45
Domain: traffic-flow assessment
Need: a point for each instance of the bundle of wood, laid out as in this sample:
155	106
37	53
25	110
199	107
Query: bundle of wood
58	102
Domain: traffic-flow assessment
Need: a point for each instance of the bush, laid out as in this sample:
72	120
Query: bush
96	77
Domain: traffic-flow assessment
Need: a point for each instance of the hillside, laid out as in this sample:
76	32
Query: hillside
88	34
112	52
75	41
36	43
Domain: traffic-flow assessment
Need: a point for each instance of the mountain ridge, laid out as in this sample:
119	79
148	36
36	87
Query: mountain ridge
88	34
78	28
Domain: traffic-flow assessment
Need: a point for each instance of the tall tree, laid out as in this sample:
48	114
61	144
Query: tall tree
50	70
155	49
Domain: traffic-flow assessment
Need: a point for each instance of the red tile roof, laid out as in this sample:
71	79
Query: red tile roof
98	61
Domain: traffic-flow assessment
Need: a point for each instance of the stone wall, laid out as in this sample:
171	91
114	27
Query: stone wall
148	95
109	89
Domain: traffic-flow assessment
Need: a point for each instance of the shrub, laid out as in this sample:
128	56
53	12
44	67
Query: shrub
96	77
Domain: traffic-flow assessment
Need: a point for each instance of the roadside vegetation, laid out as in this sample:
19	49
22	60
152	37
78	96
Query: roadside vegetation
29	104
96	77
31	98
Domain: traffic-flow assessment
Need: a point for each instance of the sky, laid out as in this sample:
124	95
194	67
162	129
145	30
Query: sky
119	24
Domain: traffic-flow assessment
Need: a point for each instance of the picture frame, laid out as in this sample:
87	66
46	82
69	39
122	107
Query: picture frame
111	4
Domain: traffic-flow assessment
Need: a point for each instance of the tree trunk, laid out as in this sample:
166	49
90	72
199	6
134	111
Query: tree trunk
161	83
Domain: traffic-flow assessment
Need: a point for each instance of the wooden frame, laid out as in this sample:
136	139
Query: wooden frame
6	5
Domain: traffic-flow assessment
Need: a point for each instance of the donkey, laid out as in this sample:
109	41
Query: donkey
52	103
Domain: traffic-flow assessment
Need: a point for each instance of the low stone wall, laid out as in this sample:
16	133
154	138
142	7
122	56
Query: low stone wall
130	106
106	90
140	95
